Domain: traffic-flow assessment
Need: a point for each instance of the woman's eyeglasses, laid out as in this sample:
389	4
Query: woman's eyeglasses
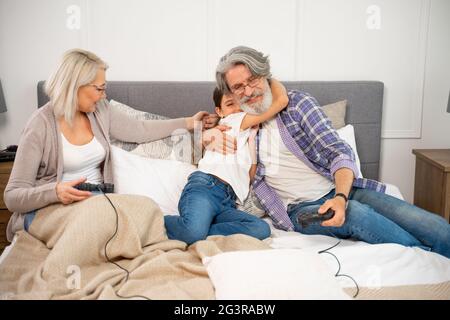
100	89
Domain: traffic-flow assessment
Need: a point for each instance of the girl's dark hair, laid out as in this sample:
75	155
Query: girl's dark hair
217	97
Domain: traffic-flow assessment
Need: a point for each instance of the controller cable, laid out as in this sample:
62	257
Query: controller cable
106	254
339	264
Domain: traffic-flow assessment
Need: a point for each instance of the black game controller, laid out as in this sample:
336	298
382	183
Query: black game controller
311	217
104	187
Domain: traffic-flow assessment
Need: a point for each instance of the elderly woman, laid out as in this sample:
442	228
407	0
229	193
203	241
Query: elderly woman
67	141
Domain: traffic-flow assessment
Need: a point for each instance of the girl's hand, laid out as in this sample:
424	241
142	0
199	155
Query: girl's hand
67	194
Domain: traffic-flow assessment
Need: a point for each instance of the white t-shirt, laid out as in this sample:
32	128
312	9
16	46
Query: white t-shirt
232	168
290	177
83	161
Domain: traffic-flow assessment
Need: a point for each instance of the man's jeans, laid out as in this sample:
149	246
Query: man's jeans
207	207
375	217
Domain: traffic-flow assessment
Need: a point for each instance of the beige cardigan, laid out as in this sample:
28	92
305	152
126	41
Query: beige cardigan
38	165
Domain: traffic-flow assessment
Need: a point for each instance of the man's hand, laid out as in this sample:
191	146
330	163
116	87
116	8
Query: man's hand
343	179
218	141
67	193
338	205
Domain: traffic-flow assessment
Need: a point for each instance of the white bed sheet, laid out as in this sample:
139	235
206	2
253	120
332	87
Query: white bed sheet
371	266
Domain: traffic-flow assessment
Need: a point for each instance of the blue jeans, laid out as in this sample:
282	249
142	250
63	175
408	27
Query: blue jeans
207	207
376	217
29	216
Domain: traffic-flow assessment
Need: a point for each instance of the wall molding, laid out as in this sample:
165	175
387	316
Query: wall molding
85	24
419	81
419	62
210	44
299	63
414	130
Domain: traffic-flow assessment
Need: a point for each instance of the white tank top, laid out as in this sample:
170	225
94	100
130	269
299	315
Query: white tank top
232	168
83	161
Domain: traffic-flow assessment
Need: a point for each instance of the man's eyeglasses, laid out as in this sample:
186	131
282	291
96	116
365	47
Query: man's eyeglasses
100	89
239	88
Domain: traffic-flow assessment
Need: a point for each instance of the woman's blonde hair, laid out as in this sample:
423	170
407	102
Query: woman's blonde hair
77	68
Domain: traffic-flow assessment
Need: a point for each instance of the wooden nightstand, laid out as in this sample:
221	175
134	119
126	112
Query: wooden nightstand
5	171
432	181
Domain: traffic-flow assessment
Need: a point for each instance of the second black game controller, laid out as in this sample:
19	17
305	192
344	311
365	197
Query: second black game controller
104	187
306	219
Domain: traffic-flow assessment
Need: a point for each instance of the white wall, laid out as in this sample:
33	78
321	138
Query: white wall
397	162
32	38
306	40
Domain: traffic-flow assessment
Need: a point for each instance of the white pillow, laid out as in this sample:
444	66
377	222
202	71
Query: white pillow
393	191
161	180
347	134
272	274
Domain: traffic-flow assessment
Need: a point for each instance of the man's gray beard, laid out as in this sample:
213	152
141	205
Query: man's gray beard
261	106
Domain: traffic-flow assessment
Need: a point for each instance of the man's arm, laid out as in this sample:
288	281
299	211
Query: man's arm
252	172
325	141
279	102
253	155
329	145
343	179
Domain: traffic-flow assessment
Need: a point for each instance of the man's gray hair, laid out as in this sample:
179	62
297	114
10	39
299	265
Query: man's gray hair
256	61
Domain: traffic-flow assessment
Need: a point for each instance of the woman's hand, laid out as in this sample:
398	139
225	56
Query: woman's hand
195	119
218	141
67	194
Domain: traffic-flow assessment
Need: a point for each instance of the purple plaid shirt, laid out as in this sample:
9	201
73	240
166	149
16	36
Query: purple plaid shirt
307	133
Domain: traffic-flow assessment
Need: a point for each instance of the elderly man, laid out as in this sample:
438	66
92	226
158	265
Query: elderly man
303	166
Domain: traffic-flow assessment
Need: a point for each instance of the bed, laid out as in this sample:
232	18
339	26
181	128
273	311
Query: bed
386	271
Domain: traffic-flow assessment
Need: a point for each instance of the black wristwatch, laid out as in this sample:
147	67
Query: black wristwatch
342	195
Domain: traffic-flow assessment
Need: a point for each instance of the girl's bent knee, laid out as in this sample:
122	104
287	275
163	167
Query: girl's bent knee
263	230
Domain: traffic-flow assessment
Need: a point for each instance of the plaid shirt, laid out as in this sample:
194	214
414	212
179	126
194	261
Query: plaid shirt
307	133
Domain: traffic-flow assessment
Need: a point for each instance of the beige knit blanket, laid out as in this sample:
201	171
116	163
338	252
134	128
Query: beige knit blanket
63	255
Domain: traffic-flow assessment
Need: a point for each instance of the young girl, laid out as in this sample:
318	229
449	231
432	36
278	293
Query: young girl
207	204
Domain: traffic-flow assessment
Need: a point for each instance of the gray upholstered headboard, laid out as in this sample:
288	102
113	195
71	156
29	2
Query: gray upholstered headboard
176	99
